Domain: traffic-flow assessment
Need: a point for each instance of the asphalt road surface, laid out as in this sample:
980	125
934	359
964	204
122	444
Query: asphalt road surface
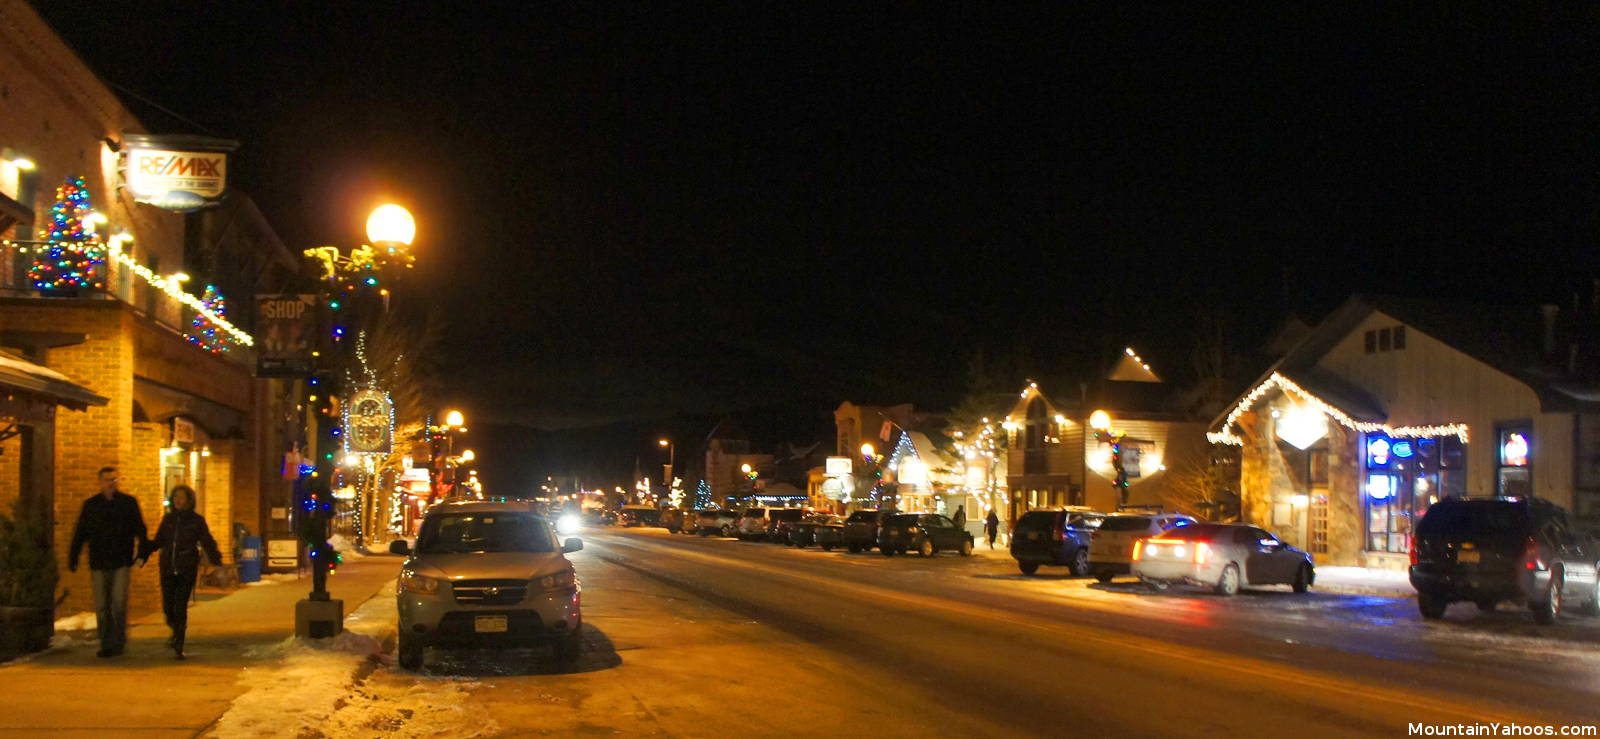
712	637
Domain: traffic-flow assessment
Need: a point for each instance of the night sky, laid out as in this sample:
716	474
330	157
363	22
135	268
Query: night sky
636	210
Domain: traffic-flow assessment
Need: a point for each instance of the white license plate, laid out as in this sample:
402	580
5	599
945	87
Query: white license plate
1466	556
489	624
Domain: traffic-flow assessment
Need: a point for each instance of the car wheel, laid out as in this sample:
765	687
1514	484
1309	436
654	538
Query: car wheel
827	547
1302	579
1228	584
1080	563
410	653
704	533
1487	605
855	549
727	532
925	549
966	549
887	551
1548	611
1028	568
1102	577
1431	606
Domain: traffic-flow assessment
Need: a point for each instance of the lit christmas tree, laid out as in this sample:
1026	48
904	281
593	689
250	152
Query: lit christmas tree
71	258
702	495
205	334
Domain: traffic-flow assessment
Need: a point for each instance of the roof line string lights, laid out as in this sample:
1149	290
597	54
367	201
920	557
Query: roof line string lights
1226	435
174	289
1136	358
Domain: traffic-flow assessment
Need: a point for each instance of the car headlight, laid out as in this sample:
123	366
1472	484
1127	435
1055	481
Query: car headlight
569	524
559	581
411	582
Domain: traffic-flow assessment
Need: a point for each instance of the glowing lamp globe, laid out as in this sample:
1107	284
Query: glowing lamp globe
454	418
468	456
1100	421
391	224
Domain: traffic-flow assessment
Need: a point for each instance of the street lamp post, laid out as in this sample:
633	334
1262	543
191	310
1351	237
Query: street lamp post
672	458
1100	423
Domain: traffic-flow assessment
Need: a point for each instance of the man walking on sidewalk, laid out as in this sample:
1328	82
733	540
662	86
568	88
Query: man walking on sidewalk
110	523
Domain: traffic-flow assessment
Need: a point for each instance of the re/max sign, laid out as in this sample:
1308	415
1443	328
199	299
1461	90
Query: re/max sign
179	165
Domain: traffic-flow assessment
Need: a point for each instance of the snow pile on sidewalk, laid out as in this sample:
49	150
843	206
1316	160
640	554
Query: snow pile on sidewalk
1364	581
273	578
346	548
399	705
295	695
77	622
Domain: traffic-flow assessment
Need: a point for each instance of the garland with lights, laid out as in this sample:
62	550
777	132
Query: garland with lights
1114	438
205	334
1227	436
71	256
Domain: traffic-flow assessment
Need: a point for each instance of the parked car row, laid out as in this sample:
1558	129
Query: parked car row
890	532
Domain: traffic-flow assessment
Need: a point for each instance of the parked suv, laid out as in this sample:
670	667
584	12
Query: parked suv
753	524
1111	551
715	523
924	533
487	574
861	529
1491	549
1055	536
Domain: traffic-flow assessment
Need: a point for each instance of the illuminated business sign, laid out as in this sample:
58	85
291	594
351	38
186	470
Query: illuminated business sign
369	422
176	173
838	466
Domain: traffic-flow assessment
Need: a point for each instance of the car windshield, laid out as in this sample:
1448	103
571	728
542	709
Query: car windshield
485	532
754	513
1125	523
1474	518
901	520
1036	520
1199	531
1085	522
863	517
787	515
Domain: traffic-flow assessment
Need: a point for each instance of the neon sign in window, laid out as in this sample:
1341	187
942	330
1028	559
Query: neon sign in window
1514	450
1378	452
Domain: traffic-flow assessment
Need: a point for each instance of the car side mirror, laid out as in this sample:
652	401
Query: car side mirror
398	546
571	545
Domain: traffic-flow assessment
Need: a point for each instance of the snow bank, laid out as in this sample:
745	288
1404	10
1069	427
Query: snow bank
295	694
1364	581
273	578
345	547
76	622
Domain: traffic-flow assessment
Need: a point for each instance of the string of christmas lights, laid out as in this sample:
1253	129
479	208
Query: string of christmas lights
1227	436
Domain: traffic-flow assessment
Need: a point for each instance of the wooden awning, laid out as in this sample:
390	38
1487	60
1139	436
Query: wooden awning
12	213
19	376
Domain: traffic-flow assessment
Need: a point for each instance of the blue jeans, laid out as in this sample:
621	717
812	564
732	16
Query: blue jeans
111	606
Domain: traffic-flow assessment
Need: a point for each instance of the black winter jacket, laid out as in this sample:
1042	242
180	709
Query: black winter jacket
111	528
180	537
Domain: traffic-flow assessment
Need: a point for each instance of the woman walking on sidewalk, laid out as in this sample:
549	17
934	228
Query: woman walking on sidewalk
180	537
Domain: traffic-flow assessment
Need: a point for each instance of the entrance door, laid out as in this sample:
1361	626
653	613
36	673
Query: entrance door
1318	543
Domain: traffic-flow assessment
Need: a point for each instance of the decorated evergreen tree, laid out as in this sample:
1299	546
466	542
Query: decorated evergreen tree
71	258
205	334
702	495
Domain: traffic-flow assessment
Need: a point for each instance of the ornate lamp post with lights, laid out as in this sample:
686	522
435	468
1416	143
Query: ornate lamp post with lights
672	458
1100	424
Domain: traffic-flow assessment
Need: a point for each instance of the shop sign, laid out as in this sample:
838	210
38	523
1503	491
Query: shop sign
177	173
840	466
286	331
369	422
182	431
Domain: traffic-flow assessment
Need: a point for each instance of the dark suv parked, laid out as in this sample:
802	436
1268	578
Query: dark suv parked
1491	549
923	533
861	529
1055	536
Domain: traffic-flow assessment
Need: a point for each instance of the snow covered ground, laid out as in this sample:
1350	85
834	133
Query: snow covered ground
76	622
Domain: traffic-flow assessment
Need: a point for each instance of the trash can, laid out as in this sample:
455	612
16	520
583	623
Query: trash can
250	560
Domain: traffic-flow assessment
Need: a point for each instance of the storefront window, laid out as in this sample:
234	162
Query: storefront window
1404	477
1514	474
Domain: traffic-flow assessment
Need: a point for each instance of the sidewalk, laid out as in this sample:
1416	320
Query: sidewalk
67	691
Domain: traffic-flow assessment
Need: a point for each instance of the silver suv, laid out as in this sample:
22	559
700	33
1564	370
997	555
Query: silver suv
487	574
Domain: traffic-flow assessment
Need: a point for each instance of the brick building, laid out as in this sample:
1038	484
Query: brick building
174	412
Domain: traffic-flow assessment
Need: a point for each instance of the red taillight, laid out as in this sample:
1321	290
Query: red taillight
1138	550
1057	534
1202	552
1530	555
1412	545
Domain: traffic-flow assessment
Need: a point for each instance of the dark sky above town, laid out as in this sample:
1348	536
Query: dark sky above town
628	210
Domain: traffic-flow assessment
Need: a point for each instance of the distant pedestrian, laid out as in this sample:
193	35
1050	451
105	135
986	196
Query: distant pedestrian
961	517
180	537
110	523
991	527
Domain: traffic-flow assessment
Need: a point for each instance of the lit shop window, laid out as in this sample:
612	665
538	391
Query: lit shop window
1514	476
1403	478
